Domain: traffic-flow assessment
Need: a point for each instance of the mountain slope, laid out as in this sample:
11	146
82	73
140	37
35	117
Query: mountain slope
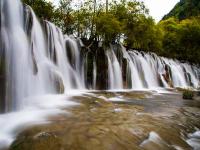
184	9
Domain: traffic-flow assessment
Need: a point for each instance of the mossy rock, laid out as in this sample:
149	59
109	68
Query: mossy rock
198	93
188	94
40	141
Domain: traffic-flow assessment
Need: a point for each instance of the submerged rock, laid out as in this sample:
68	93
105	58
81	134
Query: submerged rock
188	94
40	141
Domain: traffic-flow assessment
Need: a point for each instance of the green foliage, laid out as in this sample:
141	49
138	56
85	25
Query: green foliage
188	94
143	34
63	16
190	39
181	39
43	9
90	20
108	27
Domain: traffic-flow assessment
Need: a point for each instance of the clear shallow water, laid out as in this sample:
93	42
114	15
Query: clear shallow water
152	117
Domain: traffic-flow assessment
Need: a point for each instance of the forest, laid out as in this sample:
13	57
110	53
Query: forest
128	22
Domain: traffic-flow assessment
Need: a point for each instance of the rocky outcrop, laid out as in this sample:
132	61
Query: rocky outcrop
102	69
167	75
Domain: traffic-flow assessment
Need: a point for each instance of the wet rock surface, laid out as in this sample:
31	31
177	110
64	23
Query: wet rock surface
118	121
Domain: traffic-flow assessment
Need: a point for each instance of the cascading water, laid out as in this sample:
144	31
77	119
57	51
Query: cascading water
71	76
19	73
136	82
34	66
155	71
40	60
43	61
76	60
94	73
114	71
146	70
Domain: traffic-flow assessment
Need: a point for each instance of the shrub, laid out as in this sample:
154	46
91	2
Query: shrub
188	94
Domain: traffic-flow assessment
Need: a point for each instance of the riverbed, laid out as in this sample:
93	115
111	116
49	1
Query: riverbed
148	120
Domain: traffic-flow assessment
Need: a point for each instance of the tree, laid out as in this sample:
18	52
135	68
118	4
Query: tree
181	39
171	37
43	9
108	27
189	40
64	16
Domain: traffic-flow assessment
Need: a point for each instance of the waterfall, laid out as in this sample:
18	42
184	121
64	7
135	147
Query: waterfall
146	69
41	60
21	81
36	61
115	74
94	73
136	81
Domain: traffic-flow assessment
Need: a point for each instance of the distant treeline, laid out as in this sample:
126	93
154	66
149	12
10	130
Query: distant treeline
125	21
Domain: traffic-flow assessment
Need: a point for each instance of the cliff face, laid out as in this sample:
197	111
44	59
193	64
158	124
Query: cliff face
184	9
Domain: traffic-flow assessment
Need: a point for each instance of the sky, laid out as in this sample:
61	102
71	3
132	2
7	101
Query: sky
157	8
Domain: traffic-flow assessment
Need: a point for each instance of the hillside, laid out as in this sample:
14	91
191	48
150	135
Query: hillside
184	9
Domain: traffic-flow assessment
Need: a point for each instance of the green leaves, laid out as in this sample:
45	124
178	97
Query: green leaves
181	39
108	27
43	9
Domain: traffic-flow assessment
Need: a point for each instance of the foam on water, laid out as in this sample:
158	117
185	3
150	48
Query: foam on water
194	140
34	113
153	137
